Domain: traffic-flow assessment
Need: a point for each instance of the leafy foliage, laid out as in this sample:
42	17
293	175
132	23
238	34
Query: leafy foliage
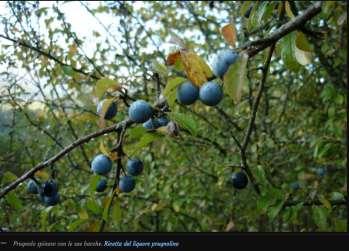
52	77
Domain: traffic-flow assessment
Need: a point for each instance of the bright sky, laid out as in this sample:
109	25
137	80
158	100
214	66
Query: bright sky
83	23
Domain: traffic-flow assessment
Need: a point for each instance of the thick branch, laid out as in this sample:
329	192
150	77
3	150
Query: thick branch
254	47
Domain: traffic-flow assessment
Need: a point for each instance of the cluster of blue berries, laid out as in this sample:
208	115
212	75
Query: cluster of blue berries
101	165
139	112
210	93
48	191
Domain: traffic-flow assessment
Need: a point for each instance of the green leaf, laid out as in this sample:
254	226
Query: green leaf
324	150
320	217
13	201
143	142
302	42
43	219
176	206
244	7
68	70
236	78
337	196
295	212
8	177
83	214
264	202
269	11
252	20
93	206
136	133
93	182
340	225
170	90
116	212
103	85
261	176
75	225
325	202
275	210
159	68
272	199
185	122
328	7
287	44
260	12
108	200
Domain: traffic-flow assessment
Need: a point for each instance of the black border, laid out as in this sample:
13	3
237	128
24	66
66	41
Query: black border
187	241
194	241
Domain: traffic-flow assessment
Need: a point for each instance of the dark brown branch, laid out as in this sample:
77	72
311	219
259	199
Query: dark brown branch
254	47
253	118
259	95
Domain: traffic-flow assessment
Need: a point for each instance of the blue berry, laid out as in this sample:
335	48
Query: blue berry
211	93
101	164
126	184
140	111
187	93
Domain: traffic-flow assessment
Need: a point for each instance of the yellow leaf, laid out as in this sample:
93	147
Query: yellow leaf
154	207
105	106
162	130
93	226
84	117
104	85
303	57
342	18
325	202
73	49
229	33
83	214
230	227
105	151
302	42
197	70
113	156
288	10
157	206
42	174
